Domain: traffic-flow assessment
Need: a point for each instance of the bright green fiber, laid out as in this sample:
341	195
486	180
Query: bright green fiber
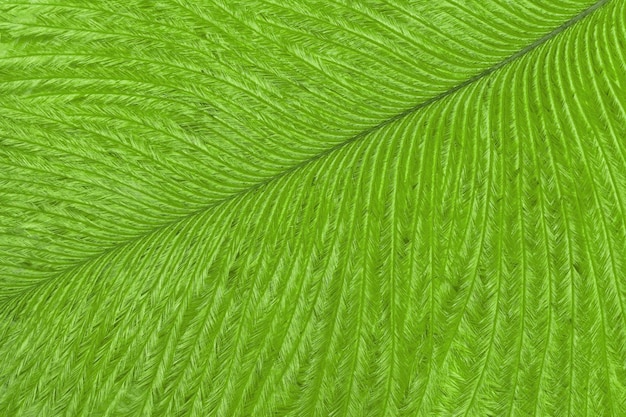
312	208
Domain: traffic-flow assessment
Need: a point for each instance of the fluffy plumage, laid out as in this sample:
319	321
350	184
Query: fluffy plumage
312	208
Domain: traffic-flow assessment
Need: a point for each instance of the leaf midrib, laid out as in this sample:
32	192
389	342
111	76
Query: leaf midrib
522	52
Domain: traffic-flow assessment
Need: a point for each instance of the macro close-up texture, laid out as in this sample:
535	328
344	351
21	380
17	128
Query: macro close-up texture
312	208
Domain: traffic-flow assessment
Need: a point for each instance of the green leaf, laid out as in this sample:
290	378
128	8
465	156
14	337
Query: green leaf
312	208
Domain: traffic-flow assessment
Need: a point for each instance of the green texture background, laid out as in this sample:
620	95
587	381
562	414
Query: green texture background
312	208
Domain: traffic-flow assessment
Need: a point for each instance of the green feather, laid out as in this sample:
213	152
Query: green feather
312	208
